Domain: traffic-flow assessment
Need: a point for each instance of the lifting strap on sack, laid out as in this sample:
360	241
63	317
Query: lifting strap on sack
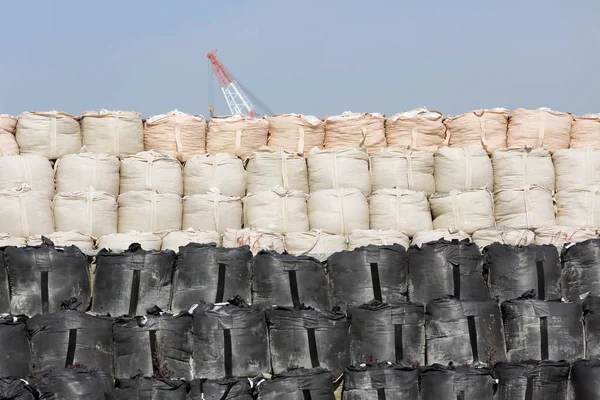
306	394
544	337
541	280
300	141
398	346
71	347
44	290
294	288
312	347
456	279
53	138
153	355
135	292
238	143
178	144
381	394
227	354
221	283
460	395
376	282
473	338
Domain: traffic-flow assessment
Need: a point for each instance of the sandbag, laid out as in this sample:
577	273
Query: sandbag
317	243
443	268
464	332
528	208
402	168
577	207
584	380
338	211
378	237
516	168
175	239
591	324
8	143
4	287
6	239
83	242
449	383
224	172
15	358
288	281
176	133
543	330
140	388
339	168
436	234
353	130
462	169
129	283
580	273
32	170
77	172
230	340
478	128
212	212
535	380
366	382
297	384
308	338
17	389
207	273
402	210
121	241
91	212
256	239
585	132
576	169
387	332
467	211
42	277
149	211
366	273
503	235
50	134
75	384
560	235
296	133
421	129
278	210
268	168
220	389
118	133
149	170
239	135
25	212
539	128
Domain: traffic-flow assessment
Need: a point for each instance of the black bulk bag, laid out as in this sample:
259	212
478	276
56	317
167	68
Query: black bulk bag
366	273
128	283
42	277
381	381
387	332
449	383
514	270
288	281
532	380
442	268
15	356
230	340
585	380
543	330
220	389
70	337
308	338
580	269
297	384
75	384
591	323
17	389
464	332
4	287
156	344
140	388
204	272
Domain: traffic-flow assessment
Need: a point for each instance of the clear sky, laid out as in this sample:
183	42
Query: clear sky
313	56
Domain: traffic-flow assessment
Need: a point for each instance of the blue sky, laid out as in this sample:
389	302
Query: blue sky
312	57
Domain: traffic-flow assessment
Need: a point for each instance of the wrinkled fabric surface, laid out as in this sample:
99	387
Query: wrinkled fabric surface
584	380
591	324
478	128
17	389
149	170
297	384
467	211
15	357
535	380
296	133
75	384
118	133
402	210
33	170
391	382
139	388
267	168
462	169
402	168
51	134
77	172
220	389
580	273
222	171
448	383
339	168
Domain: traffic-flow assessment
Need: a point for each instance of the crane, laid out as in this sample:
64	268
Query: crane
239	98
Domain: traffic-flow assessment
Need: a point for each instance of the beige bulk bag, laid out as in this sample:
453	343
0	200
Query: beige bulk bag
421	129
338	211
33	170
516	168
296	133
118	133
77	172
84	242
122	241
585	132
578	208
467	211
528	208
176	239
277	210
177	134
503	235
561	235
478	128
437	234
576	169
462	169
25	212
149	211
317	243
378	237
50	134
402	210
539	128
223	172
256	239
149	170
354	130
91	212
212	212
268	168
239	135
338	168
6	239
8	143
402	168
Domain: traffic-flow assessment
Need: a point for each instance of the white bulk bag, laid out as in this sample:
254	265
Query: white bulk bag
561	235
467	211
478	128
90	212
8	143
176	239
118	133
149	170
223	172
528	208
239	135
585	132
25	212
402	168
378	237
296	133
77	172
177	134
437	234
277	210
339	168
421	129
338	211
539	128
122	241
256	239
576	169
149	211
268	168
462	169
516	168
33	170
212	212
50	134
6	239
317	243
402	210
503	235
353	130
82	241
578	208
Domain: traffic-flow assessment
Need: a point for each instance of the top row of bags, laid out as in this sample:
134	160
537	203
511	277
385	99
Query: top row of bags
54	134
